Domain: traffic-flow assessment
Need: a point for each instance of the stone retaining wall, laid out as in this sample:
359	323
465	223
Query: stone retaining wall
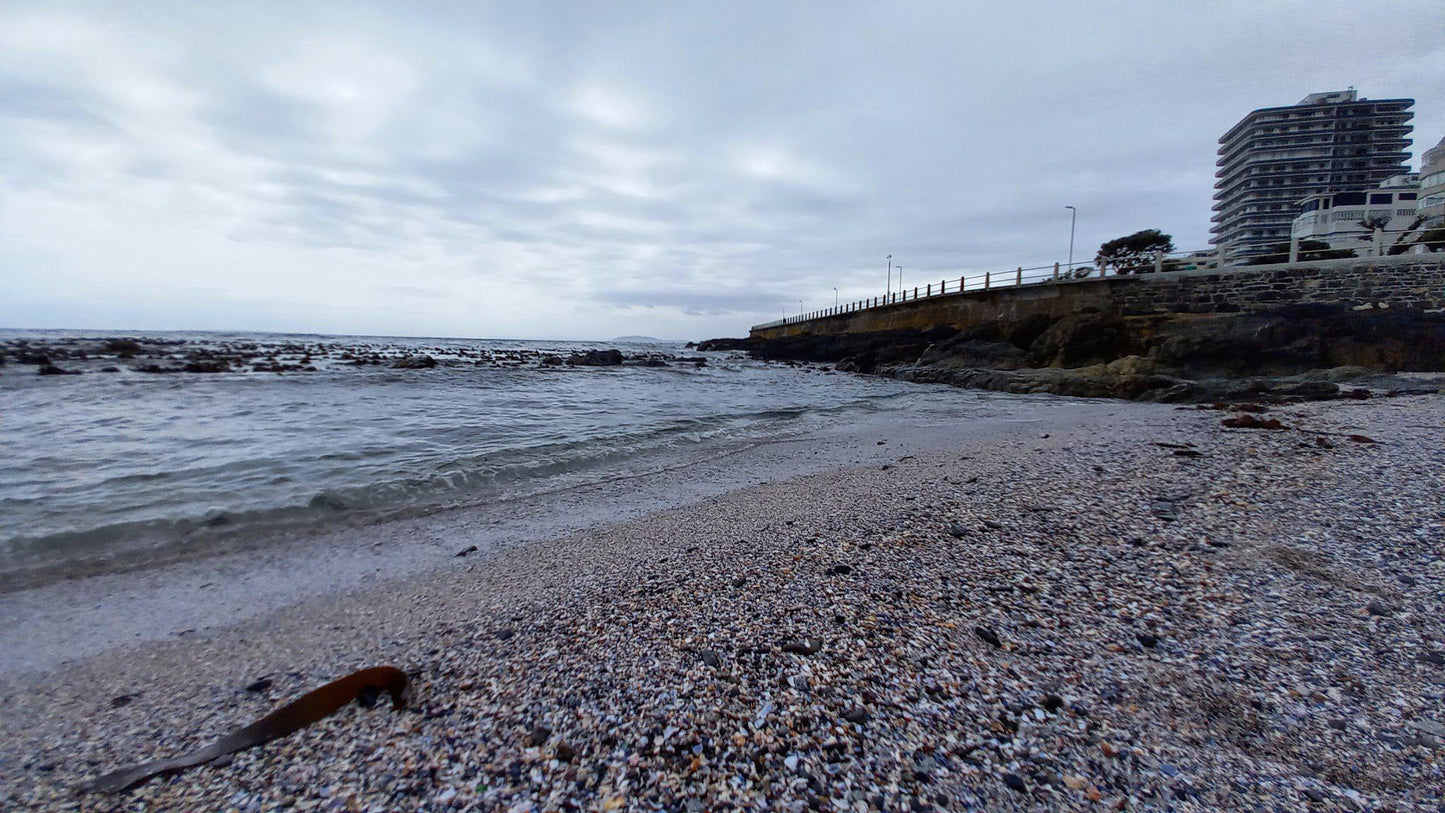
1415	282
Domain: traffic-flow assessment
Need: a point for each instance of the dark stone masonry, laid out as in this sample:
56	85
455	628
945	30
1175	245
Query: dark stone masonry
1282	332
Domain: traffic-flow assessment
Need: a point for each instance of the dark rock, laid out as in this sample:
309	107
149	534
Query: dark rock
1379	608
537	736
1015	782
1433	658
857	716
724	344
414	363
120	701
1164	509
710	658
465	552
1147	640
565	752
596	358
1361	439
206	366
839	570
258	686
988	636
51	369
992	526
123	348
1053	702
504	634
958	530
807	646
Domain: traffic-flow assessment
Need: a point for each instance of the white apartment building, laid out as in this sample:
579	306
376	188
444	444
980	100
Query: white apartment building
1347	219
1432	186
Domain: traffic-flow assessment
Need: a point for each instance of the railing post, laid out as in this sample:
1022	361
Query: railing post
1158	261
1056	271
987	276
961	286
1294	249
1019	279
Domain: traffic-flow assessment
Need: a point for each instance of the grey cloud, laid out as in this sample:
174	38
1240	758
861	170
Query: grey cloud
683	168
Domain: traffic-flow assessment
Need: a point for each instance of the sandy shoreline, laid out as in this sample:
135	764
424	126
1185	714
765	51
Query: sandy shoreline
1250	628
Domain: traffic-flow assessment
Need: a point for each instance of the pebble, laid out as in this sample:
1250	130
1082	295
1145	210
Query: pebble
658	681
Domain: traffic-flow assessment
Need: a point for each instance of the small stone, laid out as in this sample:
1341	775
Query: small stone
839	570
565	752
1362	438
505	634
992	525
260	685
710	658
1015	782
465	552
958	530
1147	640
988	636
537	736
807	646
1379	608
121	701
1053	702
1433	658
857	716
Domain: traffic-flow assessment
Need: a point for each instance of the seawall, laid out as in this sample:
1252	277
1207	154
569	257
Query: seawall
1408	282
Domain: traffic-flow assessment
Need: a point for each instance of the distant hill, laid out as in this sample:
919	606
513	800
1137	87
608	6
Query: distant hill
652	339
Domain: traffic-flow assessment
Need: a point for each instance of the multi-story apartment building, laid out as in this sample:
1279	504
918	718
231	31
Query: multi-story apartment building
1276	156
1353	220
1432	186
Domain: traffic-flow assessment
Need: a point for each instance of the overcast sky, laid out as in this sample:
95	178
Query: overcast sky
558	170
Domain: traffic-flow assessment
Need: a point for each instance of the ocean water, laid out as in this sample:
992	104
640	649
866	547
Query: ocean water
119	461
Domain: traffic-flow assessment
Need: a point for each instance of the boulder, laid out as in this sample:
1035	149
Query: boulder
596	358
421	362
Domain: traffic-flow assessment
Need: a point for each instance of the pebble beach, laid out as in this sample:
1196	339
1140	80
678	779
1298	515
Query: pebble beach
1144	611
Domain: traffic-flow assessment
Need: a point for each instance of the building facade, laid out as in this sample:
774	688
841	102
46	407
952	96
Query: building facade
1367	222
1432	186
1276	156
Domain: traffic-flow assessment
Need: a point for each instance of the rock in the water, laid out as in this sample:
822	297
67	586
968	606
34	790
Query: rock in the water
465	552
414	363
596	358
259	685
50	369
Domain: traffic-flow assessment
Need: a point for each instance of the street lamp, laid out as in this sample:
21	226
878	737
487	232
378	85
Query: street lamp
888	289
835	297
1073	216
800	307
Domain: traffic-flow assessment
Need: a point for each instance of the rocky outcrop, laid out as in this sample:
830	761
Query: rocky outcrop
1276	355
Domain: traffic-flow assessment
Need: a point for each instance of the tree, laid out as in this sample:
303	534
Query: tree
1432	239
1134	253
1309	251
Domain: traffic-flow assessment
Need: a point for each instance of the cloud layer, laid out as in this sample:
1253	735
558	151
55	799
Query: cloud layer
586	170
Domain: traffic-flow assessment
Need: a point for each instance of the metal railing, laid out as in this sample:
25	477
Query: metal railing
990	280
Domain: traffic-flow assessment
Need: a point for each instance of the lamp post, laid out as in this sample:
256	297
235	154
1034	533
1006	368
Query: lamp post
1073	216
888	289
835	297
800	307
